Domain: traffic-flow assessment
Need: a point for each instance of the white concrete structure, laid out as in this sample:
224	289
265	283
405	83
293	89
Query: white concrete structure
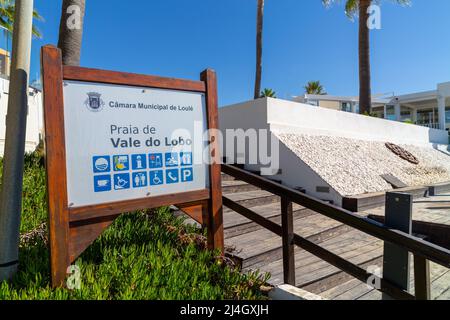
283	118
429	108
35	123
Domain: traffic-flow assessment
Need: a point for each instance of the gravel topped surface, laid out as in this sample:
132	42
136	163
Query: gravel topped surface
354	167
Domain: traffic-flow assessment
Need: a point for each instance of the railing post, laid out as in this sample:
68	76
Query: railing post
287	223
422	278
396	260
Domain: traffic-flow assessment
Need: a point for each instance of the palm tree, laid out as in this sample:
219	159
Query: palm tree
352	7
7	9
314	87
259	44
268	93
71	31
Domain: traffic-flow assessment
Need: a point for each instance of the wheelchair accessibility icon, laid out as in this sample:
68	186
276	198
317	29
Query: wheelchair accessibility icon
156	178
121	181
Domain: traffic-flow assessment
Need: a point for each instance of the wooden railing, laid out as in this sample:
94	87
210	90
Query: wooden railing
423	251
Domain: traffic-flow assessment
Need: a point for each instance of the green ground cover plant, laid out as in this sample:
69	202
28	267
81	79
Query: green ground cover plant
143	255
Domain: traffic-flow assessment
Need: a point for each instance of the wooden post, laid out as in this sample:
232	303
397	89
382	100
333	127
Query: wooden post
422	278
287	222
396	260
56	162
215	209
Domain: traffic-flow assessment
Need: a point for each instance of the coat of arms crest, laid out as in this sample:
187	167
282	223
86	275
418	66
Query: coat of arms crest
94	102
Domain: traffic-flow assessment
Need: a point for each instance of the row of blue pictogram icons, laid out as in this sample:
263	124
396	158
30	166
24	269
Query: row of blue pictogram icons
119	163
142	179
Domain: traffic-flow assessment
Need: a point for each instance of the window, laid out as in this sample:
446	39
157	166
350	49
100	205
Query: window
3	66
447	114
390	113
346	106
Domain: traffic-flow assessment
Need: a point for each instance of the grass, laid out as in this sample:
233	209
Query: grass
143	255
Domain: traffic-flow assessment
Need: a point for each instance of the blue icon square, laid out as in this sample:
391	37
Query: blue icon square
171	159
122	181
187	174
156	177
101	164
186	158
172	176
155	160
102	183
121	163
139	162
139	179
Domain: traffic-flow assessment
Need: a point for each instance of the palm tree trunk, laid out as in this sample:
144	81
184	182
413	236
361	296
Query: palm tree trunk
71	31
259	44
365	95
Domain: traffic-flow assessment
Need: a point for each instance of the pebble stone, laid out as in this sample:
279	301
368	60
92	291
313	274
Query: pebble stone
355	167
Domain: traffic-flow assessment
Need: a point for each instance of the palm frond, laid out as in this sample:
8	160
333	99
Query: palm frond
352	6
7	9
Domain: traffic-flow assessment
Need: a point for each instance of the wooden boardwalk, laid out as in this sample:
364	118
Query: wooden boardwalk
260	249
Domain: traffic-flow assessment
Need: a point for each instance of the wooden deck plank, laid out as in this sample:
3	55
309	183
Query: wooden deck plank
440	283
355	293
336	291
349	245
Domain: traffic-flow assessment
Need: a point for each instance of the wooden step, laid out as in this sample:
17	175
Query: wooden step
263	247
226	177
236	186
236	224
253	198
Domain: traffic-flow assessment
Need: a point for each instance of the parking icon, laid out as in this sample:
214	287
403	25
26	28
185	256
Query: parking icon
122	181
139	162
156	178
172	176
102	183
187	175
101	164
121	163
171	159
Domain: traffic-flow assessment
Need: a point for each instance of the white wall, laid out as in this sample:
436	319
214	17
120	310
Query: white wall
247	115
303	118
34	119
295	173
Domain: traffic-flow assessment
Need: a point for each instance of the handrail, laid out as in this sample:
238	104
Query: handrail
328	256
415	245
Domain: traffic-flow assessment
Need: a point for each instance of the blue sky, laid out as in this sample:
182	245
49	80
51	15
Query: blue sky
303	41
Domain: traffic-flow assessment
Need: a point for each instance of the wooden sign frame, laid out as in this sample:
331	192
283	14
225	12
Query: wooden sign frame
72	230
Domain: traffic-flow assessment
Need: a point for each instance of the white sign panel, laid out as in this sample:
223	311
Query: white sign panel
125	142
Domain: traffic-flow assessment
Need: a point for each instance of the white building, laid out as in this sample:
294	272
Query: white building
429	109
35	123
331	154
